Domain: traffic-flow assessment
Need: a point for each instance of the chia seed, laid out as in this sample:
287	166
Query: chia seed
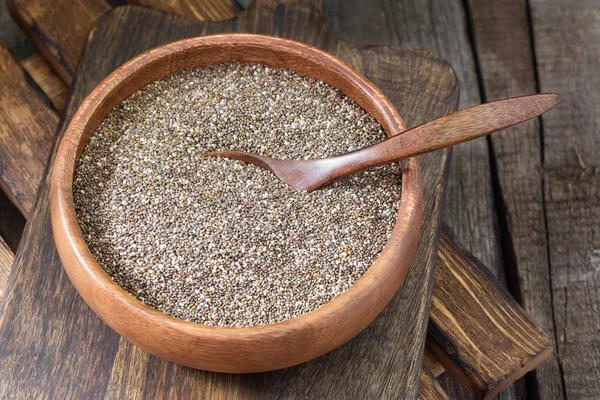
217	241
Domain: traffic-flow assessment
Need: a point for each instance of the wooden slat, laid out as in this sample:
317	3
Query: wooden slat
58	28
202	10
429	388
506	61
567	46
26	135
432	364
44	76
89	356
6	261
485	342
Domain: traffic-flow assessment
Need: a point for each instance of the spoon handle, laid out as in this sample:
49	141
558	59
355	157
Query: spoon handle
455	128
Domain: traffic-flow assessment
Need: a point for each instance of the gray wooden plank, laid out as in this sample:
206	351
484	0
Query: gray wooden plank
506	62
567	47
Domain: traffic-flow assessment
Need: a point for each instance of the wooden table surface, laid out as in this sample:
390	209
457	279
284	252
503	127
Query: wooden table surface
526	200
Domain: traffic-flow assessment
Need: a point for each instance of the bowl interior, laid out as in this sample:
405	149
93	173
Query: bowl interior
237	48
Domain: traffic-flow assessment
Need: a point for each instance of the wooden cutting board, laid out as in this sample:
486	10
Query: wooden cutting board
56	345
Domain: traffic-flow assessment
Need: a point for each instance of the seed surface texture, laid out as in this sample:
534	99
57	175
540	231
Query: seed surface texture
217	241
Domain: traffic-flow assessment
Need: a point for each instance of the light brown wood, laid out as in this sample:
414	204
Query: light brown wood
449	130
429	388
6	261
26	123
486	343
58	28
252	349
42	73
432	364
203	10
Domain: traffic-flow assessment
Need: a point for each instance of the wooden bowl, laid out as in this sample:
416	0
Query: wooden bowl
253	349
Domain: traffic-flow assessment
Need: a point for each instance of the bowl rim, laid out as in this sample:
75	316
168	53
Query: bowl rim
74	250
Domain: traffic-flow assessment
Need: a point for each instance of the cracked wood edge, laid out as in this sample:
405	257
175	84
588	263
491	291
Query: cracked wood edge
6	261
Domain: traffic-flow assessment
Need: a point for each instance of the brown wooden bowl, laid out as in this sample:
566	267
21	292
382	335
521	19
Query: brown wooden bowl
253	349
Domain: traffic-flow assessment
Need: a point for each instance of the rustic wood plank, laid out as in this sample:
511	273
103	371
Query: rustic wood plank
44	76
506	61
429	388
25	138
62	43
202	10
567	47
489	343
58	29
6	261
90	362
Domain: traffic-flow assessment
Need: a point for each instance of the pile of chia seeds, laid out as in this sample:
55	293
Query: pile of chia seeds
217	241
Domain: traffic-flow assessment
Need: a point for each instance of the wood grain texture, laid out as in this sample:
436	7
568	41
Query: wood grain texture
202	10
49	82
91	359
567	47
264	347
7	258
429	388
487	343
58	29
26	123
506	61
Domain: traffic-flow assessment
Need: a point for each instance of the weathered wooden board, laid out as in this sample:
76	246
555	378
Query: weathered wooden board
63	31
24	135
45	77
90	361
429	388
495	343
567	47
6	261
506	62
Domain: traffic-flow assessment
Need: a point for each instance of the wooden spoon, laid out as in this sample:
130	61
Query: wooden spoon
458	127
